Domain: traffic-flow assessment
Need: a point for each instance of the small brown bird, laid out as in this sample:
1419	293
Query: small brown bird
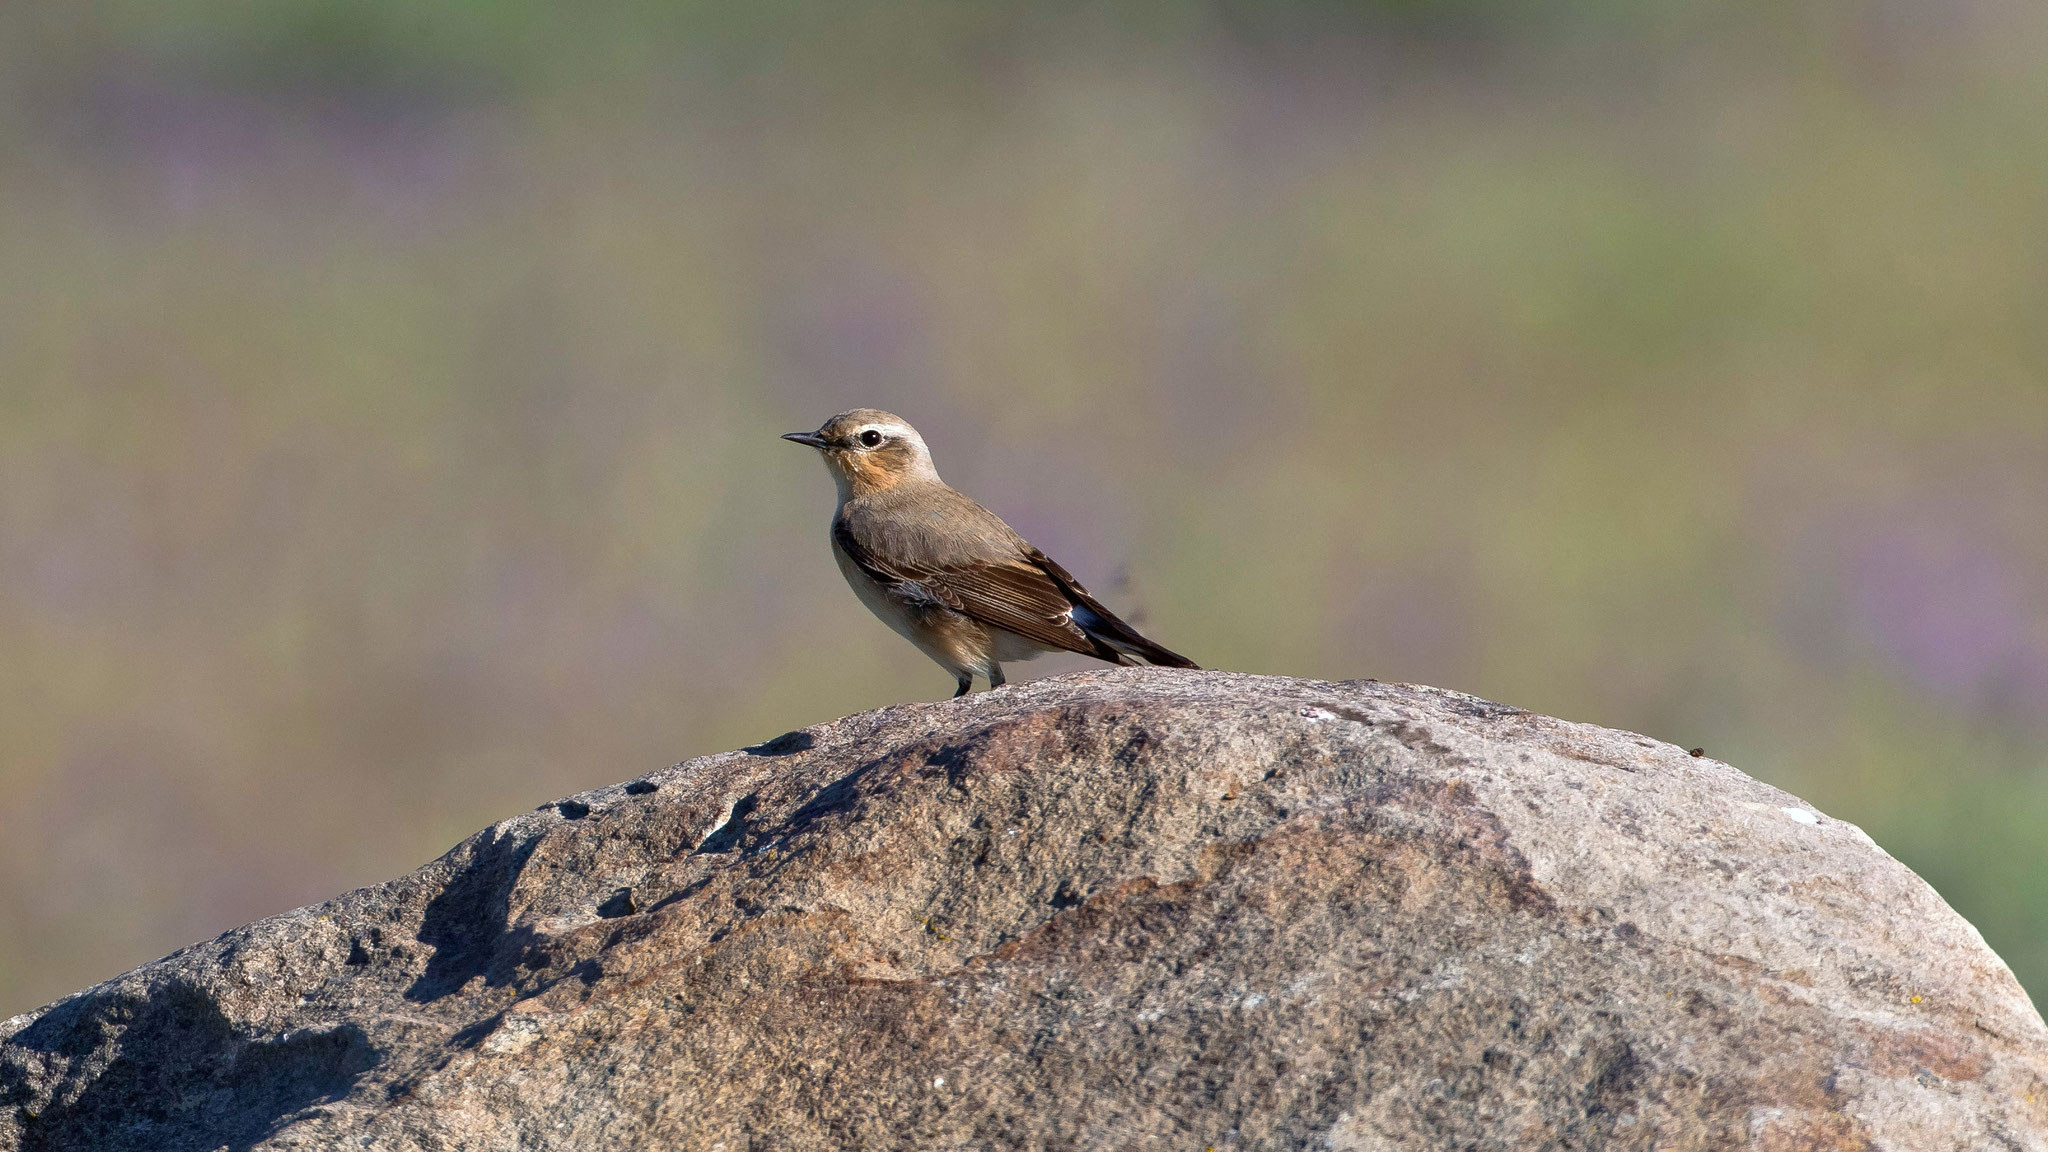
947	574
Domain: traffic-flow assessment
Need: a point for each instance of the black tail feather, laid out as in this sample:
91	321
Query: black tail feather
1106	628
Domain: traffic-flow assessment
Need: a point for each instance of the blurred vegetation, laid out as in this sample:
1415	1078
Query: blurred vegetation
388	395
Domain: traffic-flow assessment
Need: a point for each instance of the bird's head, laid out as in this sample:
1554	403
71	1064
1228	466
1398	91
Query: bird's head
868	450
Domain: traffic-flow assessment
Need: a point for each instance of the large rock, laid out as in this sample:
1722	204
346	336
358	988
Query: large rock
1129	909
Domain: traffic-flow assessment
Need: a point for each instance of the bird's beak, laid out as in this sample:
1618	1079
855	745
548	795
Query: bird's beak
811	438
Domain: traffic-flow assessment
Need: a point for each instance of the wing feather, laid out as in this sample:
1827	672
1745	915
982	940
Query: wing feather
1104	627
1014	594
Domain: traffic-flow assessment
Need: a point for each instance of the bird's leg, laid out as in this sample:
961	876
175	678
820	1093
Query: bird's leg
995	676
966	684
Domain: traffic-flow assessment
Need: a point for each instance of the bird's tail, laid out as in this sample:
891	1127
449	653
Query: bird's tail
1131	647
1103	626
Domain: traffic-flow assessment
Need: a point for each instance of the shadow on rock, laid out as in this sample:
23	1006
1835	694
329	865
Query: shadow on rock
183	1077
466	923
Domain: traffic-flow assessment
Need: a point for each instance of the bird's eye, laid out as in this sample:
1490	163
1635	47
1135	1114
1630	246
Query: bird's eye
870	438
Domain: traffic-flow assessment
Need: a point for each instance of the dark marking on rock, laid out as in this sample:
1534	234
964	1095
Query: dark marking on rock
787	744
619	903
236	1088
839	796
476	1033
1478	709
641	787
572	809
1613	1089
726	836
1134	748
466	924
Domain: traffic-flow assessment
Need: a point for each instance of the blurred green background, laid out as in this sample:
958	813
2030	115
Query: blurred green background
389	389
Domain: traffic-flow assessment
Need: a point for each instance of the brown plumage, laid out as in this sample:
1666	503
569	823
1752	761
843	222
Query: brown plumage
948	574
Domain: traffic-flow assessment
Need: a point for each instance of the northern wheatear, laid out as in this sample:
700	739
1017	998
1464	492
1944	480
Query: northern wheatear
947	574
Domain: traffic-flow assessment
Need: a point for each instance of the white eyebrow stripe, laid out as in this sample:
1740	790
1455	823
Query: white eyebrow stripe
902	430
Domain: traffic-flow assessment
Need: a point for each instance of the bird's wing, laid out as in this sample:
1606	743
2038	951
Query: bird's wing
1104	627
1008	591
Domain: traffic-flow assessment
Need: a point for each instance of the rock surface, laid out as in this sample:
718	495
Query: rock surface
1130	909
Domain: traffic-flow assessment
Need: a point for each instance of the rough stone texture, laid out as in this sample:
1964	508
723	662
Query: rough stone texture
1130	909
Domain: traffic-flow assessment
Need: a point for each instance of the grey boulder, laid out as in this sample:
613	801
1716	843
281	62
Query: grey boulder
1133	909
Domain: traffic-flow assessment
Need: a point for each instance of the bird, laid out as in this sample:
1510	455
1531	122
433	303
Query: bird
946	573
